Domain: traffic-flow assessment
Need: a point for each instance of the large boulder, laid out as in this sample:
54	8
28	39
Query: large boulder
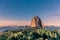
36	22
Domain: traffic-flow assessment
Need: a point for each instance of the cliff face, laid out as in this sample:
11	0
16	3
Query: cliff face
36	22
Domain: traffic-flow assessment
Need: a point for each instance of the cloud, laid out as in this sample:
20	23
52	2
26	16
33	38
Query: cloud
11	23
55	21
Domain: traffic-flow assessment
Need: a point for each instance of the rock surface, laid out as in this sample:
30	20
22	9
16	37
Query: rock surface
36	22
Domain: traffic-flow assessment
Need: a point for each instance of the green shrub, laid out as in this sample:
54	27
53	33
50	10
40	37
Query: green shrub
28	34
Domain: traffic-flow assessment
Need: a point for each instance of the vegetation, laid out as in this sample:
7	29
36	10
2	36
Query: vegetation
30	34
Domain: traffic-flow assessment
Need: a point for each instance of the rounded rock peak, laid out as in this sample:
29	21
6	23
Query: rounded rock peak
36	22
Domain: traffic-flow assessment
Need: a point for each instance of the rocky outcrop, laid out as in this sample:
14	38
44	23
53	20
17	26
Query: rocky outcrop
36	22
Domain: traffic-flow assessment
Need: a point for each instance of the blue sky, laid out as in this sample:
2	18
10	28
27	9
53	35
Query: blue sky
24	10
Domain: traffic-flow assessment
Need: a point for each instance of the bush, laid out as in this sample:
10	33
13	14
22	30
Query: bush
28	34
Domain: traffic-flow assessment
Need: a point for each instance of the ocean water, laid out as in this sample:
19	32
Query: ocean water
18	28
52	28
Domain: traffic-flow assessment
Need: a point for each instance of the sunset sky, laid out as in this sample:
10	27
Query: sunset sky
20	12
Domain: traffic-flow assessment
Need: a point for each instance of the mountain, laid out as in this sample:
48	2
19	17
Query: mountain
36	22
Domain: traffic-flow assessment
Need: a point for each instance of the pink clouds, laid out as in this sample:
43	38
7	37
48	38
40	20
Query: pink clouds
48	22
55	21
11	23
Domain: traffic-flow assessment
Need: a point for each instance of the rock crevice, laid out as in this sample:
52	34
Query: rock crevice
36	22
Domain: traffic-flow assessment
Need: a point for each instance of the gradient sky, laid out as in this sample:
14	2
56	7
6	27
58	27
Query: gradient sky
20	12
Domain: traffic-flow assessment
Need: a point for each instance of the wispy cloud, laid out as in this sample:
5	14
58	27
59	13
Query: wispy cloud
11	23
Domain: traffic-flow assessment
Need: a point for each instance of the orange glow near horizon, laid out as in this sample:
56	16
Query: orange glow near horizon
52	22
12	23
24	23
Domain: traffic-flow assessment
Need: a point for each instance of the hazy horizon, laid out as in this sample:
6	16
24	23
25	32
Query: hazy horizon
21	12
